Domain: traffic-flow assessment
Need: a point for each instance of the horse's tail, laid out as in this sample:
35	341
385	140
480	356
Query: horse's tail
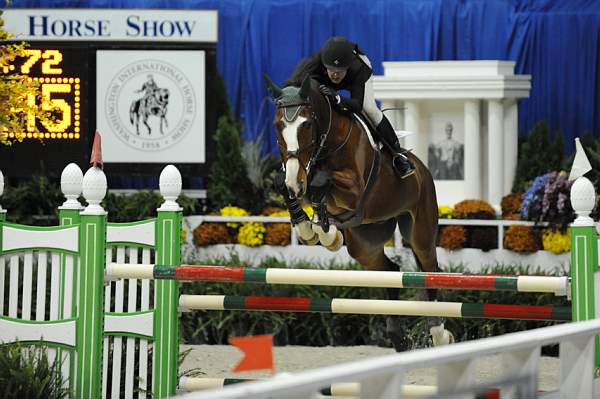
133	110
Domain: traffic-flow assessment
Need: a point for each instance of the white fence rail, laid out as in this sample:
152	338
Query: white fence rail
383	377
501	225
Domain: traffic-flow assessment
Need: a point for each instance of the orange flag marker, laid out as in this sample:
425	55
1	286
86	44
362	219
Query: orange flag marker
258	352
96	157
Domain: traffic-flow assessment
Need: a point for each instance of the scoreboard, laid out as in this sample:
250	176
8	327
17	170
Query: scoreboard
95	79
63	82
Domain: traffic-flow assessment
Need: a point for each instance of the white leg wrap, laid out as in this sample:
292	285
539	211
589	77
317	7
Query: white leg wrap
305	231
326	238
441	336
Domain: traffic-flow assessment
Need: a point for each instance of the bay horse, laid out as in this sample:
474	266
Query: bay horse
329	159
153	104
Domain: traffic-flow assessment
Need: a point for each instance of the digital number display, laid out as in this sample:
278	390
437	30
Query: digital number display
62	76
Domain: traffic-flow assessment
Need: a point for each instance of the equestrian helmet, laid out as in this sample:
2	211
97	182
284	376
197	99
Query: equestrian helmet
337	53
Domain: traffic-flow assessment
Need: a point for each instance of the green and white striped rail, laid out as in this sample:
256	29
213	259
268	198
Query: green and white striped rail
373	306
350	278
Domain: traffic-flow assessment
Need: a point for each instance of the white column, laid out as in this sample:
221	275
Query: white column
472	150
412	124
391	114
511	142
495	152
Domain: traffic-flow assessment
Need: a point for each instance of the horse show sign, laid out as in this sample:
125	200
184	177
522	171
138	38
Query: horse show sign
139	77
151	105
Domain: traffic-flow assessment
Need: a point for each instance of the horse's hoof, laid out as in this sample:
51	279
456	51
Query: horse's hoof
440	336
397	334
337	242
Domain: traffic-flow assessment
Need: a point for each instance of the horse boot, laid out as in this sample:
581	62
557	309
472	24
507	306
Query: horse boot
298	217
319	186
400	162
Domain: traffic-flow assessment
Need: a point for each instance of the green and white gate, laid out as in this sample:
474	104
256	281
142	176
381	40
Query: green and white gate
110	337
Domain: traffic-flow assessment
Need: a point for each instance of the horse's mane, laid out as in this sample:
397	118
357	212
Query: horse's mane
306	67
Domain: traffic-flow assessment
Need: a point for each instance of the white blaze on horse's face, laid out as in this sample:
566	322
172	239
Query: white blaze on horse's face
292	165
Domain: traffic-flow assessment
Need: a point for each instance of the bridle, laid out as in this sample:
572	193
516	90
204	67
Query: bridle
291	110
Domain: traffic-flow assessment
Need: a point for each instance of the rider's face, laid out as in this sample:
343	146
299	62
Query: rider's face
337	75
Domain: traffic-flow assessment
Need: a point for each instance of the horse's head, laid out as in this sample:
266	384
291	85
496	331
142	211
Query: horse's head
297	130
162	95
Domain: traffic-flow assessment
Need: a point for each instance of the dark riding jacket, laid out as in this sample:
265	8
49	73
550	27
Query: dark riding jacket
354	81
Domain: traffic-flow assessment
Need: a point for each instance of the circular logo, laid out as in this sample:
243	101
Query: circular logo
150	105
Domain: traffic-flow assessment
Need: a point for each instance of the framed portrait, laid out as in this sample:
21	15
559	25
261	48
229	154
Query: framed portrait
446	148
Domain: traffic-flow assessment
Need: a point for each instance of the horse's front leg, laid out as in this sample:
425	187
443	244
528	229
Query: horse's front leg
329	236
298	217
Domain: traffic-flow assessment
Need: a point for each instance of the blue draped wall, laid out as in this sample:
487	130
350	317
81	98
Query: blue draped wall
557	42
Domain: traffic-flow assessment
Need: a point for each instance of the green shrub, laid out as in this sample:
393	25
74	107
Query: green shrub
25	373
228	183
141	205
532	162
34	202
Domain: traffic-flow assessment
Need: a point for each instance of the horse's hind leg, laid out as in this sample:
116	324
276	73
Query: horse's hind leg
422	235
365	244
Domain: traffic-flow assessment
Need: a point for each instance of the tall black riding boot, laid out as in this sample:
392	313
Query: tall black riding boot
402	165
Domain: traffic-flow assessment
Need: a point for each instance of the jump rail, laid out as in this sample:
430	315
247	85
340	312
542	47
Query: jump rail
373	306
347	278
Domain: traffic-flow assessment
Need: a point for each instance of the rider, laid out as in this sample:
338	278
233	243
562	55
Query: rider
340	64
149	87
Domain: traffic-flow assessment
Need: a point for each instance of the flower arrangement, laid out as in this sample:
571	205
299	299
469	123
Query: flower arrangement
252	234
445	211
556	242
453	237
520	239
473	209
233	211
547	200
212	233
511	205
277	233
531	195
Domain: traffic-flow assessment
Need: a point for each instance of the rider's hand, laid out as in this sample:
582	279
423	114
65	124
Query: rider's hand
329	92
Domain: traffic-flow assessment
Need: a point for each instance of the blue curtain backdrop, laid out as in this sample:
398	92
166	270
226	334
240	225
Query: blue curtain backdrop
557	42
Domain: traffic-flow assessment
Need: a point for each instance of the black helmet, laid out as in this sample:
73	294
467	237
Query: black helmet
337	52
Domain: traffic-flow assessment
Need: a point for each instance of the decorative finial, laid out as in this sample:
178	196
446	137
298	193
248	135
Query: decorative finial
583	194
71	182
170	188
96	157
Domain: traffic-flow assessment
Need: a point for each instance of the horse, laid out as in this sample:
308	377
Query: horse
153	104
329	160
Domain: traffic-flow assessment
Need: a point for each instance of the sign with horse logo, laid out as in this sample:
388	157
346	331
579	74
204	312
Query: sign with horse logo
151	105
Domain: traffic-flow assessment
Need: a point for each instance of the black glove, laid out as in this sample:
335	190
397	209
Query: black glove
329	92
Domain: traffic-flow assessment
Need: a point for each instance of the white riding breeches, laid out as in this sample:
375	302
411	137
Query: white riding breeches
369	105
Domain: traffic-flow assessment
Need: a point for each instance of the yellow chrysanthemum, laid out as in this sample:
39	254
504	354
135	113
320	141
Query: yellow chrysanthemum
183	235
280	213
445	212
233	211
252	234
556	242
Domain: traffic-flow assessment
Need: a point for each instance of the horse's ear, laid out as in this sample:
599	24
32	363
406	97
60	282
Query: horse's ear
272	87
305	87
